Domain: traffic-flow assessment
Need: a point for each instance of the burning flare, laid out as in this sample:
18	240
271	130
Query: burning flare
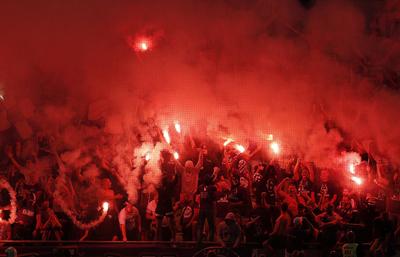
228	141
166	136
106	205
356	180
176	155
275	147
240	148
352	168
147	157
178	127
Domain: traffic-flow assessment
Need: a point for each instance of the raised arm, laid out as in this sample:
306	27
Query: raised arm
296	174
12	159
199	163
279	189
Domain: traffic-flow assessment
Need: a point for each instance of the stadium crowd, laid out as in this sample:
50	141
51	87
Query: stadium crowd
210	193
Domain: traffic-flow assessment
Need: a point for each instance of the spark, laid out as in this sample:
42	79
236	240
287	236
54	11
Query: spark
357	180
106	205
147	157
178	127
1	97
166	136
270	137
275	147
228	141
176	155
240	148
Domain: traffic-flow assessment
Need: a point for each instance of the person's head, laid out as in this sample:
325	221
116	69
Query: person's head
244	182
350	237
204	149
292	190
271	170
284	207
329	209
30	161
189	164
305	174
229	218
235	180
106	183
298	222
128	207
345	192
45	204
301	209
208	179
324	175
166	156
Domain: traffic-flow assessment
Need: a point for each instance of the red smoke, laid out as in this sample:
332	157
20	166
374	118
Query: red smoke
248	68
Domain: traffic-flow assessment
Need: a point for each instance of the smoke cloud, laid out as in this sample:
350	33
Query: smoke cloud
242	69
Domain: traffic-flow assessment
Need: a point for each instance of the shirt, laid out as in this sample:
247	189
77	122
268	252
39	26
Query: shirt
207	196
349	250
190	180
128	218
228	234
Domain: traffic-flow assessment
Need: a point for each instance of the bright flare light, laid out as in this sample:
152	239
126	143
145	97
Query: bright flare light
178	127
147	157
106	205
176	155
357	180
240	148
352	168
228	141
1	97
143	45
275	147
166	136
270	137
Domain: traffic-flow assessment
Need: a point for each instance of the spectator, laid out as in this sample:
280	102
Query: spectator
328	222
324	192
277	238
189	177
347	205
151	217
165	195
130	222
207	192
239	197
5	228
350	248
25	221
48	227
228	232
301	232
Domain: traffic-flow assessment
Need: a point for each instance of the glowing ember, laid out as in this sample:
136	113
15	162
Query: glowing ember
352	168
357	180
147	157
166	136
275	147
106	205
178	127
176	155
240	148
228	141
